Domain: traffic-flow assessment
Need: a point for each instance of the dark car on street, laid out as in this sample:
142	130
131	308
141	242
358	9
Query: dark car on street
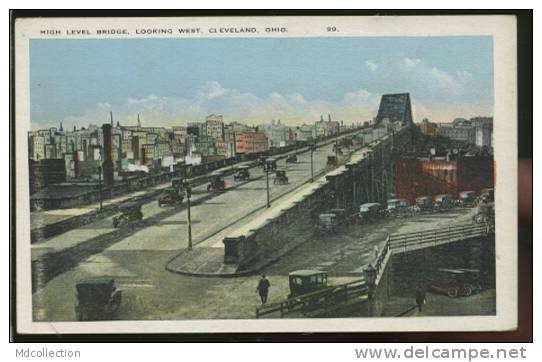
291	159
171	197
130	214
97	299
242	174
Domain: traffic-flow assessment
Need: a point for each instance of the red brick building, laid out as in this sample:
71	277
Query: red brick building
416	178
250	142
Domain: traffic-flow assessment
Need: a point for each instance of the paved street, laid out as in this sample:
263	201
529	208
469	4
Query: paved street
166	228
150	292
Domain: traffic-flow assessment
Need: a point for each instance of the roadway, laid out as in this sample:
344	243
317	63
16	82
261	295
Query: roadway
165	228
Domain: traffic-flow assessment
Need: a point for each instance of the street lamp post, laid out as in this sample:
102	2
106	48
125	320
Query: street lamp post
188	195
312	165
100	185
267	183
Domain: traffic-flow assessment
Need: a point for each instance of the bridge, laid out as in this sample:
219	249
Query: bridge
353	293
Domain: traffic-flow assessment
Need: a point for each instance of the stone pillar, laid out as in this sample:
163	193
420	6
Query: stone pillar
233	249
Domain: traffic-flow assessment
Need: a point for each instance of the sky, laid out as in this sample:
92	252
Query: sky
254	80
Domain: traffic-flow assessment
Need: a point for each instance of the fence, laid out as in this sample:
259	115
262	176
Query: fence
323	300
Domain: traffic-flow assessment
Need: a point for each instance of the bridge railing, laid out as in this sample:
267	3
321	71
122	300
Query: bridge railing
320	300
398	243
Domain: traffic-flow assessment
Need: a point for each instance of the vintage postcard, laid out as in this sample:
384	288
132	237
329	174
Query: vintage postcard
266	174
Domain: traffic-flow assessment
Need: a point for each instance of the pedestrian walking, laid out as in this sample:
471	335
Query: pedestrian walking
263	288
420	297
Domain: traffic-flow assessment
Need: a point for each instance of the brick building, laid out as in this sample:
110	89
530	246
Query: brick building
250	142
416	178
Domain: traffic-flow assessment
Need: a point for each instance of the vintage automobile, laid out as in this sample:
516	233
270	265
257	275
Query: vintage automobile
306	281
468	199
96	299
130	214
280	177
330	221
424	203
172	196
370	212
456	282
443	202
217	183
242	174
488	194
291	159
270	165
397	207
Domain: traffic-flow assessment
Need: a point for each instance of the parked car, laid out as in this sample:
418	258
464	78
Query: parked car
369	212
456	282
468	199
306	281
171	197
280	178
335	218
397	207
443	202
424	203
130	214
96	299
242	174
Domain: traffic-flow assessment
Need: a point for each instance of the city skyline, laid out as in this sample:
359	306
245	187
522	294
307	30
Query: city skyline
256	80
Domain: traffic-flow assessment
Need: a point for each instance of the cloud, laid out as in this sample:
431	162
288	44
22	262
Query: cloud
410	63
431	82
213	97
371	65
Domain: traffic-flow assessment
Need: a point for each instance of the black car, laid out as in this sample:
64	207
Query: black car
97	299
242	174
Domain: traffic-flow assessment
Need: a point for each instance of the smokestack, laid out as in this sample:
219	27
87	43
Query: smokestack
111	115
138	121
107	165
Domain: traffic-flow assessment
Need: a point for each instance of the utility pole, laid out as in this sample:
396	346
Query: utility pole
267	184
312	164
100	185
188	195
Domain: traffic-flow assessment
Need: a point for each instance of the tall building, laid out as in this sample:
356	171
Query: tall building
278	135
215	126
395	108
